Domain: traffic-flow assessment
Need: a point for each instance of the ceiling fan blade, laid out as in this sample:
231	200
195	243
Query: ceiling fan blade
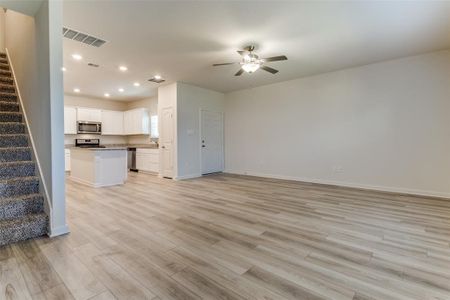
242	53
275	58
224	64
269	69
239	73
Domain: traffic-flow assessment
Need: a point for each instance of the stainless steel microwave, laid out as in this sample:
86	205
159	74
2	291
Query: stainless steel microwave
88	127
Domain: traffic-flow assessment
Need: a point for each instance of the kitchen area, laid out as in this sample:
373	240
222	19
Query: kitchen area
106	139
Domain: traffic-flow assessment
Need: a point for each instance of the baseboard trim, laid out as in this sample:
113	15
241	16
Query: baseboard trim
405	191
61	230
189	176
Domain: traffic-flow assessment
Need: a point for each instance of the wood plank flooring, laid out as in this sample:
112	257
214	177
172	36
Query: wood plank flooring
236	237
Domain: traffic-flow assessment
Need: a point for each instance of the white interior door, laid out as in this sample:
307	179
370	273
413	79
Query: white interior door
211	126
166	142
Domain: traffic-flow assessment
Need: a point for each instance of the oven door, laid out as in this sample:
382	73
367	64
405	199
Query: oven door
89	127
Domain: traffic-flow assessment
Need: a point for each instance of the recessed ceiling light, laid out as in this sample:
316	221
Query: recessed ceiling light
107	95
76	90
121	90
136	84
123	68
157	77
77	56
63	69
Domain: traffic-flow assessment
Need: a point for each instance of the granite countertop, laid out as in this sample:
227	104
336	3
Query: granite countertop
100	149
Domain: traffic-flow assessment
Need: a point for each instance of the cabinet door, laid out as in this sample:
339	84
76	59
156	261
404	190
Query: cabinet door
127	122
143	162
143	125
112	122
70	120
95	115
137	121
89	114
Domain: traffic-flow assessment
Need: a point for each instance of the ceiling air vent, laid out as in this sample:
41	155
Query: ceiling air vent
82	37
156	79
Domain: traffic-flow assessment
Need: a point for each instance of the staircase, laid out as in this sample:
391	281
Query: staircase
21	205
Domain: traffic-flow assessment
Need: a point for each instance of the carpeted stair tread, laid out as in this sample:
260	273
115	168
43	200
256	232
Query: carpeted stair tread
29	226
12	128
15	154
7	88
6	80
10	116
17	207
4	66
8	106
19	186
8	97
13	140
5	73
14	169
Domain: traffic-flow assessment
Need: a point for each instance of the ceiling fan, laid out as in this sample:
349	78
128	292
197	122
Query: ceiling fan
251	62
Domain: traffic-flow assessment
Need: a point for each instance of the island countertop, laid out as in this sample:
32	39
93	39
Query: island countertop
116	146
98	148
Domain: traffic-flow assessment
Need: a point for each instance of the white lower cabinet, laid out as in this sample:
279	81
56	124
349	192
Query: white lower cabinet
147	160
67	159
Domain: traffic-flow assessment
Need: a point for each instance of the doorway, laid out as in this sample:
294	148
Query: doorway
211	135
166	142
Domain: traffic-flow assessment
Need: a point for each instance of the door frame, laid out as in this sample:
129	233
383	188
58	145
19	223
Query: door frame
201	134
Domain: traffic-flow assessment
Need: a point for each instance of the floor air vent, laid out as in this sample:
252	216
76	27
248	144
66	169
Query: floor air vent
82	37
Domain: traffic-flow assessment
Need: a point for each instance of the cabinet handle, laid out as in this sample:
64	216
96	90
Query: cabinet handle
164	147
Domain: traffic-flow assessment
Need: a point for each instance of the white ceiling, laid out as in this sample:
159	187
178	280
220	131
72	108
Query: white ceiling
182	39
27	7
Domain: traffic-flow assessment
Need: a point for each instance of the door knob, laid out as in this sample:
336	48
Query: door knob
164	147
203	146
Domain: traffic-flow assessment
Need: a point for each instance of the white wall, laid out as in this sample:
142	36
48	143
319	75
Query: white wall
81	101
2	29
190	100
35	48
383	126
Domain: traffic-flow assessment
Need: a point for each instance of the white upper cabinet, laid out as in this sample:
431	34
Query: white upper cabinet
70	120
112	122
136	121
131	122
89	114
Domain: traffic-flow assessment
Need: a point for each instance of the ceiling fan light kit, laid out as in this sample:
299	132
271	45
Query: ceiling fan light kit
250	62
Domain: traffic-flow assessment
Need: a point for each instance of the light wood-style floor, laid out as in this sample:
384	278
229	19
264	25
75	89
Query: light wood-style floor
232	237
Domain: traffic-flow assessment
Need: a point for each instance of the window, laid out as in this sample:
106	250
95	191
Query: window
154	127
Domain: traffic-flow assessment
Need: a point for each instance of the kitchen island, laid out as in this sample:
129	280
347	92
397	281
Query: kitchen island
99	167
